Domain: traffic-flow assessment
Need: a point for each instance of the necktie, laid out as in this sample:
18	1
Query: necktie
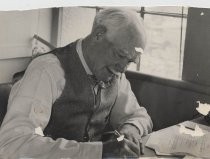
98	97
97	86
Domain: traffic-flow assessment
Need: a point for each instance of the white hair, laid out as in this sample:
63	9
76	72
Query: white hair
116	18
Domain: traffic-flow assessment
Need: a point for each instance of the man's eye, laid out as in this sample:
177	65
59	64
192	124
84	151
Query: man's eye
130	61
118	55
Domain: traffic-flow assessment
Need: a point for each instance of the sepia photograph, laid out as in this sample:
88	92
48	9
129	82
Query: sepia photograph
105	82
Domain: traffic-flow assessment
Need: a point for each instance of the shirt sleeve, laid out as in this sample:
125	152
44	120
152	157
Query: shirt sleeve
127	110
29	107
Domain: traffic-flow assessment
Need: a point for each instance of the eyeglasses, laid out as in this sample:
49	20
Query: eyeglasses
133	56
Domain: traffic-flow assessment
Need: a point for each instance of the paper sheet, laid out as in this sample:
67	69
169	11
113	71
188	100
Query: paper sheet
191	157
170	141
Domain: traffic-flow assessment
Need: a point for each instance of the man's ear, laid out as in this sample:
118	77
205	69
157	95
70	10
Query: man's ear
99	32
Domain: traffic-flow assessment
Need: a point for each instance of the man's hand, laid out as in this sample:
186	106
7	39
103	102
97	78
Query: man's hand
125	148
132	134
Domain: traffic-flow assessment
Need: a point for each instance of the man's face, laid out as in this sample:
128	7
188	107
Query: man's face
114	53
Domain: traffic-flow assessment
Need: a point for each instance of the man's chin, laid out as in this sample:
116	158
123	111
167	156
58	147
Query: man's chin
104	79
107	77
110	78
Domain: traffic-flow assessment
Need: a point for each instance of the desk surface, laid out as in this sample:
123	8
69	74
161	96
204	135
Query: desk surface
149	153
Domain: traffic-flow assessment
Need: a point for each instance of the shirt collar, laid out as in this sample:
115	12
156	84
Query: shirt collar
80	53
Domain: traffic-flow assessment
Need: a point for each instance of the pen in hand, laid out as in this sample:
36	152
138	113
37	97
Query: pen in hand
122	136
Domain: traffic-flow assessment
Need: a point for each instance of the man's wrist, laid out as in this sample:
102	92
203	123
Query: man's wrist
129	125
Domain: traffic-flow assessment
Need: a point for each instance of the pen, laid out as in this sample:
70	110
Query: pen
120	137
117	133
187	127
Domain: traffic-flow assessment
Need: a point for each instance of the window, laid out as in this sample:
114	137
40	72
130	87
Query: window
165	28
76	22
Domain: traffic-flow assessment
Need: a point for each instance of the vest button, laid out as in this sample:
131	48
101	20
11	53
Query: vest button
85	138
92	120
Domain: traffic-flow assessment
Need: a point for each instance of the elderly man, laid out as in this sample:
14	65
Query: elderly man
68	99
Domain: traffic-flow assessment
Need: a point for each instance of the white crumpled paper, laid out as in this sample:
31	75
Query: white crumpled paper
197	132
203	108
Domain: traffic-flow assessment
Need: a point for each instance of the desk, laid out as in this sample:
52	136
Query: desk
149	153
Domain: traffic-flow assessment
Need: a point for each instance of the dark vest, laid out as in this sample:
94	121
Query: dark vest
74	115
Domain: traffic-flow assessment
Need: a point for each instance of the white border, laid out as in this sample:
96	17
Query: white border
34	4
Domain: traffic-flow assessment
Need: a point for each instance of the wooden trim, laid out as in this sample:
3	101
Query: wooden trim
169	82
55	26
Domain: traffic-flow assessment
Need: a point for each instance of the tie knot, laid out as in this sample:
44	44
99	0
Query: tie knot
94	81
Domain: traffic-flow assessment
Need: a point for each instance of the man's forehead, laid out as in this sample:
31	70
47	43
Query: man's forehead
127	43
126	38
129	46
134	49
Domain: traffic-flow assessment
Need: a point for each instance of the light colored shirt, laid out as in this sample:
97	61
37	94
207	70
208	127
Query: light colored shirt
30	105
82	59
